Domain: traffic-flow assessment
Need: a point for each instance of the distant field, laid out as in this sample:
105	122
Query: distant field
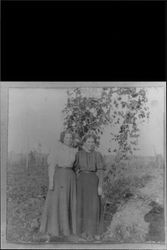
140	179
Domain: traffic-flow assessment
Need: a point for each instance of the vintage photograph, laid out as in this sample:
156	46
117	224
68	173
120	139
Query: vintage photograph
86	164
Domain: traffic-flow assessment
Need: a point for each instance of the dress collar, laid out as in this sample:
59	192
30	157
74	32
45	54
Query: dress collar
86	150
66	146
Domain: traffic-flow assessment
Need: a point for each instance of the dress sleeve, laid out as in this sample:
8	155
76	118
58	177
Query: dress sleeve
100	165
51	166
100	162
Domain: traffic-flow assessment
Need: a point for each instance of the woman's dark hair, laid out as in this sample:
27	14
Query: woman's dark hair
84	139
62	135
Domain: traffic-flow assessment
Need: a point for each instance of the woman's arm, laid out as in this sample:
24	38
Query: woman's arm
100	171
51	170
100	174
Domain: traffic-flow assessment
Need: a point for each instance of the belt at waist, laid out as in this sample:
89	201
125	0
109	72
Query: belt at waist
59	167
87	171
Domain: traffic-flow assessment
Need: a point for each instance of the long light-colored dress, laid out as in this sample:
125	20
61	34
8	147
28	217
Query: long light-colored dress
59	213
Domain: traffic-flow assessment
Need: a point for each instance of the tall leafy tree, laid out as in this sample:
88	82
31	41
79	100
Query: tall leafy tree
122	108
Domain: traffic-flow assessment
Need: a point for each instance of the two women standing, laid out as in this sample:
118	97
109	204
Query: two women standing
72	205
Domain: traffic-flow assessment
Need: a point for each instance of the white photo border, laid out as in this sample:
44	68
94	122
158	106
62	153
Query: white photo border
5	86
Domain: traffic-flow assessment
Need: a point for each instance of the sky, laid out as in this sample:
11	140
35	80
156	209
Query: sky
35	116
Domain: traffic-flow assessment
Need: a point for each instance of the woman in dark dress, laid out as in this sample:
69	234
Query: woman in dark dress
89	166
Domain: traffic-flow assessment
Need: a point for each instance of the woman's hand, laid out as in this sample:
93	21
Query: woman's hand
100	191
77	172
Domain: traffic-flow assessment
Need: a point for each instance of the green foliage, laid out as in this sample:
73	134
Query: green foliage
124	188
123	108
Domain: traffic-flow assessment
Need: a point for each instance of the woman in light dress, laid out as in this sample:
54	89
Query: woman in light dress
59	214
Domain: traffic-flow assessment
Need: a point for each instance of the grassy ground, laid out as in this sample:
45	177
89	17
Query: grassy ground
25	198
132	183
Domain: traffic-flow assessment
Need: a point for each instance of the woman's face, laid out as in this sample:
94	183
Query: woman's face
68	139
90	143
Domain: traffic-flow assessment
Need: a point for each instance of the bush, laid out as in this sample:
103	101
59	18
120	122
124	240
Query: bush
130	194
128	223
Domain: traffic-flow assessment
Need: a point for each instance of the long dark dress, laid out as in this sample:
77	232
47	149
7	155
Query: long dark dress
88	164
